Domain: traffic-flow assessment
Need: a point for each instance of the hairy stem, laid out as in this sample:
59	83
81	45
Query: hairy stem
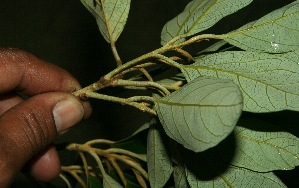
115	54
127	153
151	84
137	105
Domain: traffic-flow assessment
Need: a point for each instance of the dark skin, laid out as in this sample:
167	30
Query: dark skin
29	127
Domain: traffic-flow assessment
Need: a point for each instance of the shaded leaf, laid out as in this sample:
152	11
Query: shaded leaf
180	178
131	180
268	82
237	177
136	142
200	15
276	32
109	182
111	16
202	113
159	164
94	182
266	151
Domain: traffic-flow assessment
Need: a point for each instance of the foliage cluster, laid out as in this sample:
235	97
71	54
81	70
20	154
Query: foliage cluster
197	137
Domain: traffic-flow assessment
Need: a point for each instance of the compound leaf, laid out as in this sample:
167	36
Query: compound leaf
276	32
159	164
236	177
111	16
266	151
202	113
269	82
200	15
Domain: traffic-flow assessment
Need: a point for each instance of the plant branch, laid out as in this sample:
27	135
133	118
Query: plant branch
65	180
108	78
132	164
99	141
155	85
85	165
142	107
127	153
119	171
115	54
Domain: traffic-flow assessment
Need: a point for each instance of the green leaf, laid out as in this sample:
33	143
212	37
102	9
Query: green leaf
200	15
276	32
136	142
109	182
94	182
131	180
202	113
266	151
159	164
236	177
111	16
180	178
268	82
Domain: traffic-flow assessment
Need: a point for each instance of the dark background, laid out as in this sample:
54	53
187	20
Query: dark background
63	32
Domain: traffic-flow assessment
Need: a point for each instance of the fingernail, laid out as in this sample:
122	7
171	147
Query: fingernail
67	113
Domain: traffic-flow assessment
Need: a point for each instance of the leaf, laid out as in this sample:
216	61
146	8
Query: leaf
180	178
266	151
236	177
202	113
268	82
219	45
200	15
136	142
94	182
111	16
276	32
159	164
131	180
109	182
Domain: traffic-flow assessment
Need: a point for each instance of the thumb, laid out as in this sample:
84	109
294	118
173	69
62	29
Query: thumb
29	127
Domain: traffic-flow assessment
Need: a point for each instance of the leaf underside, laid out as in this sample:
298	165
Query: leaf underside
111	16
202	113
200	15
159	164
268	82
237	177
276	32
265	151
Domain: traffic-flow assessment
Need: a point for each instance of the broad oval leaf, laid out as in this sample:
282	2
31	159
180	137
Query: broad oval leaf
200	15
159	164
237	177
109	182
111	16
266	151
202	113
276	32
269	82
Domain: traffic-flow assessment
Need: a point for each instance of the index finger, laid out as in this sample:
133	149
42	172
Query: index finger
23	72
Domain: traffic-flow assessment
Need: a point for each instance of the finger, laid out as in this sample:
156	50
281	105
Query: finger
9	100
24	72
45	166
31	126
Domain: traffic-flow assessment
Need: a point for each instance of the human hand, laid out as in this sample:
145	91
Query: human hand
28	127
